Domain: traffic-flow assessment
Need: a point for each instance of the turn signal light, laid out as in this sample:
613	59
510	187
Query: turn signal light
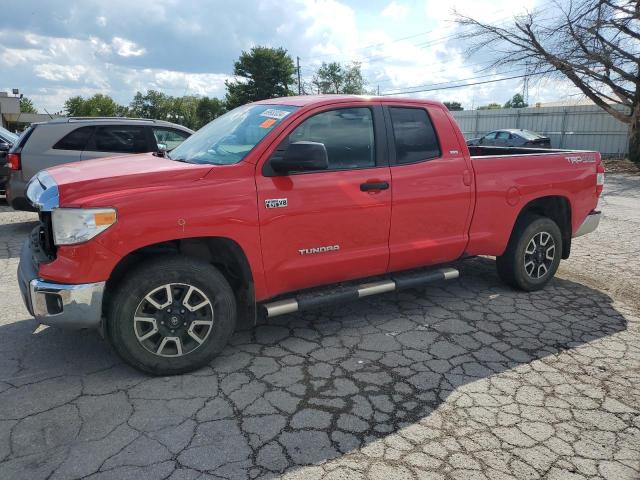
104	218
13	160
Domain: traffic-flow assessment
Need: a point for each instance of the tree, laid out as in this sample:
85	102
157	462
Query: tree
261	73
516	102
453	106
98	105
339	79
207	109
491	106
595	44
26	106
152	104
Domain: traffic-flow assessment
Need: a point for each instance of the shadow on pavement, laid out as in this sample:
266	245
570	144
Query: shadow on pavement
300	390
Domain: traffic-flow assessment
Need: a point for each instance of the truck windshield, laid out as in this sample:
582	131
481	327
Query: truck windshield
230	137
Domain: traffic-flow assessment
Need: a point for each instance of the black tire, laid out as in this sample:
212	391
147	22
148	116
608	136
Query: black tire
171	277
511	265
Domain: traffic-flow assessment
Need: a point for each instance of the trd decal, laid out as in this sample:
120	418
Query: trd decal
582	158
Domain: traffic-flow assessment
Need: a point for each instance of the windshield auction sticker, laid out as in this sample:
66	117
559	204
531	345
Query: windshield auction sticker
273	113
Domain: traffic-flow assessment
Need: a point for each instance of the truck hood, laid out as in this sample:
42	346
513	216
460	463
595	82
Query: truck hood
87	181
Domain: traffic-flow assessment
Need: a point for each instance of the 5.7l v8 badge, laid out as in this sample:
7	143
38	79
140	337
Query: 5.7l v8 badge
275	202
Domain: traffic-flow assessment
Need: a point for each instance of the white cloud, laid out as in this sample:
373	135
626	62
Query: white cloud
395	10
53	72
190	57
127	48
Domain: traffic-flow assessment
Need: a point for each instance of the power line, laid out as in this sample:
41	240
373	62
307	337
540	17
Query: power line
544	7
457	80
466	84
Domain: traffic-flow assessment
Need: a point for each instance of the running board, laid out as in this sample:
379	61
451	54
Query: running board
398	281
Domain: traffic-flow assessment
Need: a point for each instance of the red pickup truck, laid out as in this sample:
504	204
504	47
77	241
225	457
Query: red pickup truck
288	204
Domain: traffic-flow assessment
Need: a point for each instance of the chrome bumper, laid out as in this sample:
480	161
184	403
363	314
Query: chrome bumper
589	225
56	304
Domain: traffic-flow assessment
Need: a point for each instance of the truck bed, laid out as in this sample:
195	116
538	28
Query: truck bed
485	151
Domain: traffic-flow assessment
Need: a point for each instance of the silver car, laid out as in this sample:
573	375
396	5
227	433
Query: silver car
65	140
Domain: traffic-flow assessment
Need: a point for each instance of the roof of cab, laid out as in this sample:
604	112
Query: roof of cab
315	100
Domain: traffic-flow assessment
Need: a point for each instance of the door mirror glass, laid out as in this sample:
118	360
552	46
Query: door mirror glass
302	157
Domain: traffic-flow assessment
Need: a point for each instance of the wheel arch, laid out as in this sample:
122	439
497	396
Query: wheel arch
223	253
555	207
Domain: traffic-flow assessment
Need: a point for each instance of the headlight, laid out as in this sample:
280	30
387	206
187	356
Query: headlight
77	225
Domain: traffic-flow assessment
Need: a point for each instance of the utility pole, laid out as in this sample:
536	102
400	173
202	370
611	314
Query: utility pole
378	89
299	84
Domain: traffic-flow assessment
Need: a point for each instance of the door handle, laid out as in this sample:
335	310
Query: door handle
369	186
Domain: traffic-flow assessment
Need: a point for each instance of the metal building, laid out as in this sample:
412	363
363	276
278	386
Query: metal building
582	127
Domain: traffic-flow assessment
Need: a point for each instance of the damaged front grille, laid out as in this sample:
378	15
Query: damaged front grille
44	250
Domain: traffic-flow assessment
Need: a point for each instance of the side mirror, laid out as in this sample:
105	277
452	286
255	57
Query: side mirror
162	147
302	157
5	147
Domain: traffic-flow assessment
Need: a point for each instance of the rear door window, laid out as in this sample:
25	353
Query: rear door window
75	140
415	137
120	139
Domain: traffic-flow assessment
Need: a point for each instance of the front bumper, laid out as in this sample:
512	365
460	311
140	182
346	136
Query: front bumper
56	304
590	224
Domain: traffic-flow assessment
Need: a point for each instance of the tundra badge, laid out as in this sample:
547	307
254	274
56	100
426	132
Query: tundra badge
275	202
328	248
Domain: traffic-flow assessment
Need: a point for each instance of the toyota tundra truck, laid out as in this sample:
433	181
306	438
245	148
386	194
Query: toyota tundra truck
288	204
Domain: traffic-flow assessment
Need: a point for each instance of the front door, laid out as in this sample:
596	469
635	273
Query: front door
332	225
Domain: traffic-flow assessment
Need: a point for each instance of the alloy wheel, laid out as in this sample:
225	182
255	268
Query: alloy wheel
173	320
539	255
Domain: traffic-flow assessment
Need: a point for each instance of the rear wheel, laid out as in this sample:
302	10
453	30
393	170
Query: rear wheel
171	315
533	254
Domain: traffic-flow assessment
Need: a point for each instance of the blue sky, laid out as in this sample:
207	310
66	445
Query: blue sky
53	49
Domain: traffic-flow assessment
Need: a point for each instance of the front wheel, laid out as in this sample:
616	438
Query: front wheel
533	254
171	315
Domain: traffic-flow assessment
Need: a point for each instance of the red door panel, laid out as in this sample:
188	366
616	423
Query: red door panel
325	209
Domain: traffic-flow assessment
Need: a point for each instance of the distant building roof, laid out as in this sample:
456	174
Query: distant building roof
567	102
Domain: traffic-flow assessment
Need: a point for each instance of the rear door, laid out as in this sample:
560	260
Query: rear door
502	139
432	188
53	144
109	140
332	225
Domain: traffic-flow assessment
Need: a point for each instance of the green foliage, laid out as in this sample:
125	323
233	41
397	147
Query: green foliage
97	106
189	110
261	73
208	109
491	106
26	106
453	106
516	102
339	79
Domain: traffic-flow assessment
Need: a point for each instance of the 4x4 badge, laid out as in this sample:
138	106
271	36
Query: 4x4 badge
275	202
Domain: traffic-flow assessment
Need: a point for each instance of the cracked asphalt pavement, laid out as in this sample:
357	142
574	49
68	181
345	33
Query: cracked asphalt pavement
462	380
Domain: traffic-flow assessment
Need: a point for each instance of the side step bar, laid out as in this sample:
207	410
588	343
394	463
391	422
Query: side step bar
398	281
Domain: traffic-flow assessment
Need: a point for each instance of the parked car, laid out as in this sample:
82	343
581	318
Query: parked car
284	205
65	140
512	137
7	139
